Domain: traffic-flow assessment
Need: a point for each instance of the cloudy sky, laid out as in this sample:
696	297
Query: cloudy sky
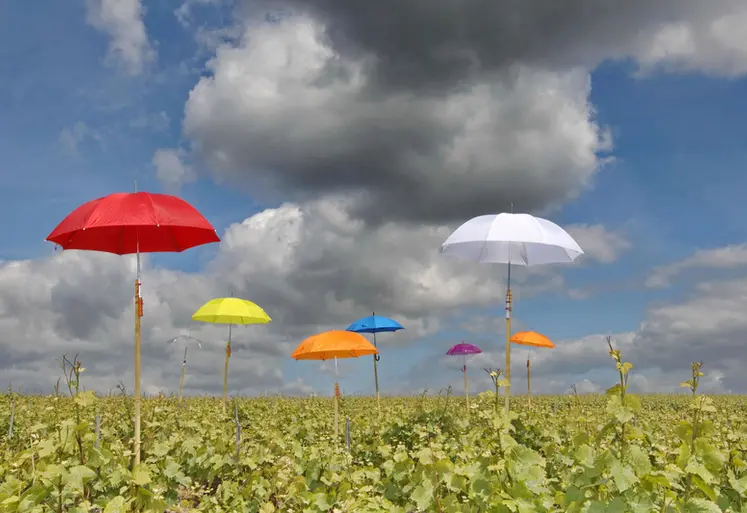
335	144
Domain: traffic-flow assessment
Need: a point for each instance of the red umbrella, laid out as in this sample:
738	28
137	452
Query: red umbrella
126	223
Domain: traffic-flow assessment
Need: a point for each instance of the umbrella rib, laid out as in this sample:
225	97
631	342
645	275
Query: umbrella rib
173	237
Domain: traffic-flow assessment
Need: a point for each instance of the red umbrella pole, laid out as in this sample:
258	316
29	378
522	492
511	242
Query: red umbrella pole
138	315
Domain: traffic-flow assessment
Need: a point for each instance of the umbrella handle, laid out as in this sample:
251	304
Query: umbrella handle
377	357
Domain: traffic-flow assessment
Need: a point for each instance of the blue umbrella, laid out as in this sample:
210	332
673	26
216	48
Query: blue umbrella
375	324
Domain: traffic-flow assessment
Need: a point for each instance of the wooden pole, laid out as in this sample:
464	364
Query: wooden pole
337	402
466	387
138	315
136	449
181	382
225	371
529	381
507	394
376	371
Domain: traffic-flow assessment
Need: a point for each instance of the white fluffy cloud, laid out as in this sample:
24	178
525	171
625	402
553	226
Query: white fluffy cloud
711	40
122	21
171	170
727	257
598	243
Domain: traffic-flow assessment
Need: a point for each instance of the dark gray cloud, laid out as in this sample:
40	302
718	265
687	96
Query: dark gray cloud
271	115
435	111
433	46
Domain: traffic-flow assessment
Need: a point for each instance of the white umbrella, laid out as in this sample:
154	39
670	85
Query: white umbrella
519	239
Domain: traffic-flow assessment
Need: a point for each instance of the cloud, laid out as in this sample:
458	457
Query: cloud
707	324
598	243
122	21
727	257
72	137
438	115
183	13
711	43
311	266
454	41
284	109
171	170
158	122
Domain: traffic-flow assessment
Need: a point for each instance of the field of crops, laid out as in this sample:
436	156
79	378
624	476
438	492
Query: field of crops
604	453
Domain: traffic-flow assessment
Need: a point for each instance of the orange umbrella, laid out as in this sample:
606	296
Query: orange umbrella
334	344
532	339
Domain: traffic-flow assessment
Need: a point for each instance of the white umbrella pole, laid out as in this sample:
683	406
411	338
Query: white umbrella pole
225	370
508	336
337	401
181	382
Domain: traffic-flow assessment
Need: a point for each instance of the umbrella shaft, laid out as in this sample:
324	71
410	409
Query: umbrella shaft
136	449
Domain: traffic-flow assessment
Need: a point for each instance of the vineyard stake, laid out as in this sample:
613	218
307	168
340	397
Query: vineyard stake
347	433
238	430
12	416
98	430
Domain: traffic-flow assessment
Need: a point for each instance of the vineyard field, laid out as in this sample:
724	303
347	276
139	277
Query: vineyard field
592	453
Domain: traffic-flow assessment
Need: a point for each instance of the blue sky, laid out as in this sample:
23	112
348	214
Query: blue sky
676	184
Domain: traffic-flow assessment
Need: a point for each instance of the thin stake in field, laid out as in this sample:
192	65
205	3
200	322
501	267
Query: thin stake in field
186	339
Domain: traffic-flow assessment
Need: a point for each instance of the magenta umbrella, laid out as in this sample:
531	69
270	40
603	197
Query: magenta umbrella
463	350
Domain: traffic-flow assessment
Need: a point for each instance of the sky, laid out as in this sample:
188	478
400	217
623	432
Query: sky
334	147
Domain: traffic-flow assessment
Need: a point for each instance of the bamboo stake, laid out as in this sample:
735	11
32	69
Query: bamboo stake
529	382
136	448
466	387
337	402
508	343
225	370
181	381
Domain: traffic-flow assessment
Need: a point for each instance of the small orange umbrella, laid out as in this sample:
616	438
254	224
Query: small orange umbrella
532	339
334	344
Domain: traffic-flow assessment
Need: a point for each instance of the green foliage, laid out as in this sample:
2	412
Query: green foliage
596	453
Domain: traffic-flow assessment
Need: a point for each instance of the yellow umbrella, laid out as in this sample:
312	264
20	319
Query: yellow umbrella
230	310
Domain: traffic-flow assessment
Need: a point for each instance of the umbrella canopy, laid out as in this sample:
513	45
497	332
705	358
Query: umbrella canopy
463	349
531	338
519	239
375	324
334	344
126	223
231	310
185	338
